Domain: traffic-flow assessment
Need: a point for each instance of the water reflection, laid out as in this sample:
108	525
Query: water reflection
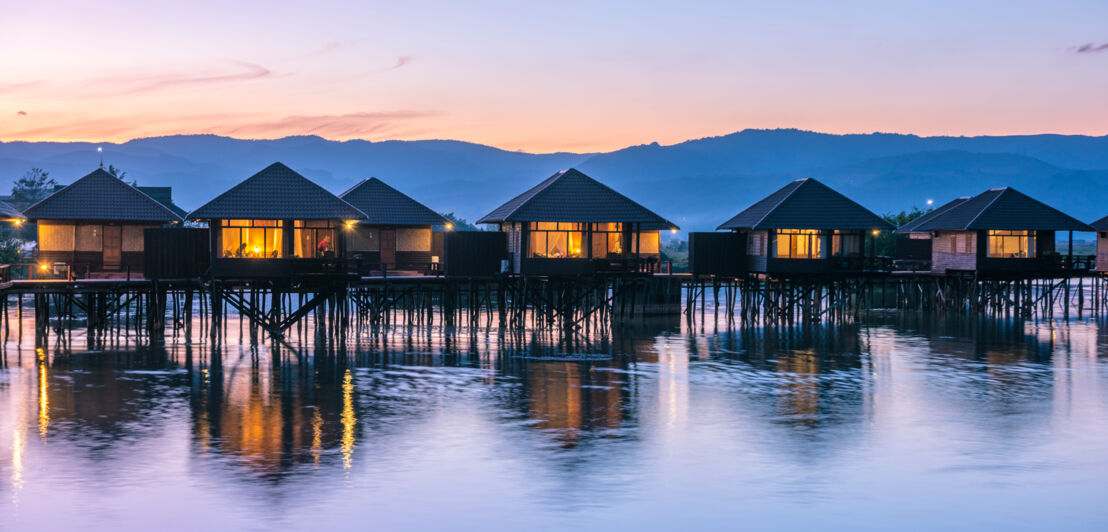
580	430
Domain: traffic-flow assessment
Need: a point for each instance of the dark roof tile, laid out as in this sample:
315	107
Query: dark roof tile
806	204
911	226
277	193
571	196
100	196
384	205
1003	209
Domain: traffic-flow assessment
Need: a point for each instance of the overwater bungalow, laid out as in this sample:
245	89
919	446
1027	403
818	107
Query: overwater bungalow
277	223
96	224
396	233
571	224
807	228
1000	231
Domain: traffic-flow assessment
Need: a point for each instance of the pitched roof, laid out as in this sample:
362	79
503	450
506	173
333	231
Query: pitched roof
9	212
1005	209
1101	224
277	193
911	226
571	196
164	195
100	196
384	205
806	204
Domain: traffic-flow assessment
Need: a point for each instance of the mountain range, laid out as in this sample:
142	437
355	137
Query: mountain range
697	184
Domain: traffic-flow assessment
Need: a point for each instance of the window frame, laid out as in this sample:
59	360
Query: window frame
813	244
1000	241
268	227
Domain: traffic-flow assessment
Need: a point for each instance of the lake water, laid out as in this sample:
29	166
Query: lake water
902	422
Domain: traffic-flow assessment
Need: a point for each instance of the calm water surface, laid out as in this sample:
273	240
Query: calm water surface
899	422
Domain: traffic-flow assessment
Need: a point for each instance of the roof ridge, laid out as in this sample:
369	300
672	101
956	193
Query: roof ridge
537	190
127	186
63	189
355	187
387	192
278	168
800	182
987	205
616	192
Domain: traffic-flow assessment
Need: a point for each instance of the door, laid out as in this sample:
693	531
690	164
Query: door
388	248
113	247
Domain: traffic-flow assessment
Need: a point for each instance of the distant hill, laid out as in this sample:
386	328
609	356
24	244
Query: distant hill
698	183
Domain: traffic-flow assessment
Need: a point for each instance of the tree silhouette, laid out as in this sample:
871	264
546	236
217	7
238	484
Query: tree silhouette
35	185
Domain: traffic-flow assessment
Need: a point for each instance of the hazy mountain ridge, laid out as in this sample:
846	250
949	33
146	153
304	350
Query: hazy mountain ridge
697	183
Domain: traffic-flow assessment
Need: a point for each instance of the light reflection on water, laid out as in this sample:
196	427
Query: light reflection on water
903	420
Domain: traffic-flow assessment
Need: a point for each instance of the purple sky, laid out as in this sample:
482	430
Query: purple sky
545	77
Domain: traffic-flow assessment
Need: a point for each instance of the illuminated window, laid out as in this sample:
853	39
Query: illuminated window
314	238
798	244
1011	244
252	239
607	240
649	240
552	240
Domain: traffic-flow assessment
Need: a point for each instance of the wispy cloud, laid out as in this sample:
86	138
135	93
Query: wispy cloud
133	85
361	125
7	88
401	62
1090	48
345	126
21	113
110	86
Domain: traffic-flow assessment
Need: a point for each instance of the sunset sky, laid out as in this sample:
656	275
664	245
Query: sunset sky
576	76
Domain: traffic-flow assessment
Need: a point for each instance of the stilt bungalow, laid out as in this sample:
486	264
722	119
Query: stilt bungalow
808	228
998	232
277	223
96	225
396	235
571	224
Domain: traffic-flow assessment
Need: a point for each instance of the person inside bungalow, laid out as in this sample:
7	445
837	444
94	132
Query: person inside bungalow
96	224
274	217
1000	230
570	224
806	227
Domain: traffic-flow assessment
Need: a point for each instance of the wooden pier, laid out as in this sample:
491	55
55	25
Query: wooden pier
109	309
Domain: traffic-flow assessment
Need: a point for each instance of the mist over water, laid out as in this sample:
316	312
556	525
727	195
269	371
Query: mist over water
900	420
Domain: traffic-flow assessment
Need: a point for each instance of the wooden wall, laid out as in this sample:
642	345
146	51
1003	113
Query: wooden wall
176	253
474	253
721	254
954	250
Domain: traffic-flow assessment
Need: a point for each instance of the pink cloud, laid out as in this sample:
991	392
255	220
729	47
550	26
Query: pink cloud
135	84
353	125
400	62
1091	48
